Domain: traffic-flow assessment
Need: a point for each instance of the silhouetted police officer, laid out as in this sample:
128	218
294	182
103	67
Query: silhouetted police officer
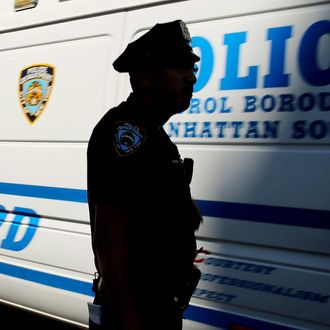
143	218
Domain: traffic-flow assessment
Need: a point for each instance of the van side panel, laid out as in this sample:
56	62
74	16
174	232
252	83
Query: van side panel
258	131
44	229
257	128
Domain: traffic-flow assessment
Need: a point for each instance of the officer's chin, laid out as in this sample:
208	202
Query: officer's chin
180	105
180	110
185	103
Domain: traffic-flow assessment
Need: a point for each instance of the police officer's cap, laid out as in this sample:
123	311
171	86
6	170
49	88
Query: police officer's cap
166	44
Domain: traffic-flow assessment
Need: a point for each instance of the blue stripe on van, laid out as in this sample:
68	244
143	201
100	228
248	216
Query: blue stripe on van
61	194
193	313
266	213
52	280
227	320
251	212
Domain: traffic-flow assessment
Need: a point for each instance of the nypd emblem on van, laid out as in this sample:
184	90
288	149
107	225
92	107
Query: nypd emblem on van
35	86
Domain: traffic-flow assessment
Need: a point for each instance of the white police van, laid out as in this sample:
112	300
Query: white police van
258	129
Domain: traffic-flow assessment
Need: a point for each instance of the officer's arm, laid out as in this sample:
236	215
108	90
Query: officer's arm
110	239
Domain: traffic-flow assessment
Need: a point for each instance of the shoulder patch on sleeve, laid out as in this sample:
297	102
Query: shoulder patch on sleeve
128	137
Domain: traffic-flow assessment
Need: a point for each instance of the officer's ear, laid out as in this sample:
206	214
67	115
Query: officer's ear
141	78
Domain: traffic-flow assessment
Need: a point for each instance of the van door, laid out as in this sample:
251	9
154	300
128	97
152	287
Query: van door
56	82
258	130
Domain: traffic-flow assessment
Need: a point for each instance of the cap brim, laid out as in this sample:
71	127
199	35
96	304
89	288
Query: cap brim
127	63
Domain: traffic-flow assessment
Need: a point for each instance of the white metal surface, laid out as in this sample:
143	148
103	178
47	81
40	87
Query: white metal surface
260	270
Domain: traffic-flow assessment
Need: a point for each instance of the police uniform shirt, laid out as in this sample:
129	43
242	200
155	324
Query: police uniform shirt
132	163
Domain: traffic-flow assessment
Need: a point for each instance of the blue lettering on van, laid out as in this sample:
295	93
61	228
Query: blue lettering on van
231	79
307	55
213	295
288	102
3	214
211	105
278	37
205	67
322	298
239	265
266	129
277	77
317	129
10	242
312	69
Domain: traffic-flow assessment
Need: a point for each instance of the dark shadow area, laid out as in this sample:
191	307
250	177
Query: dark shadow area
13	317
